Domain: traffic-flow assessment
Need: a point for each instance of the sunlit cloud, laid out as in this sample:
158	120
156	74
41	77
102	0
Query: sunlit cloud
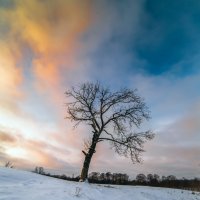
52	34
4	137
18	148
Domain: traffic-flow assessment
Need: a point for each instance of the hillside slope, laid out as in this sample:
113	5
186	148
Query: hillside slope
22	185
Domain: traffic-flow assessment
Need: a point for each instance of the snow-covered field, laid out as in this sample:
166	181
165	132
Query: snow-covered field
22	185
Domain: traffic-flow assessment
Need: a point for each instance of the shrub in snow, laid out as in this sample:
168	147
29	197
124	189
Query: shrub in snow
77	192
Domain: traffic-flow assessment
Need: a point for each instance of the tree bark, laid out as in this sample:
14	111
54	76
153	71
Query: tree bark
88	157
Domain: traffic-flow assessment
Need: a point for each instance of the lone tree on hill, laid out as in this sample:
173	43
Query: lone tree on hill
112	117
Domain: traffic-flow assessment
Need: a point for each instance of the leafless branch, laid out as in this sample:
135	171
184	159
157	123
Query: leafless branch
117	114
129	144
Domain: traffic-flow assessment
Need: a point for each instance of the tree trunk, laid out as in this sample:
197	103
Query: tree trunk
88	157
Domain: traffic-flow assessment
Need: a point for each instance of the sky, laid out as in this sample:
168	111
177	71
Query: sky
47	46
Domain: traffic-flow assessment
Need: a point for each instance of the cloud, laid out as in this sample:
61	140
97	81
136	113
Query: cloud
174	104
108	41
52	34
5	138
42	44
11	78
17	148
167	96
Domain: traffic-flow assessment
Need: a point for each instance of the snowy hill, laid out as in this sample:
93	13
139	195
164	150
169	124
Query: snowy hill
22	185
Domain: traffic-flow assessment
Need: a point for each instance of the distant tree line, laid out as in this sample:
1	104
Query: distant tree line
167	181
108	178
141	179
40	170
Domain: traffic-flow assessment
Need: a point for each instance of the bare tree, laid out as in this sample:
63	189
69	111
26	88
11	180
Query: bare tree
8	164
149	177
141	178
39	170
112	117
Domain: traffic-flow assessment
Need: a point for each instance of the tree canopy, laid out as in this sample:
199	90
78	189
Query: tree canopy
113	116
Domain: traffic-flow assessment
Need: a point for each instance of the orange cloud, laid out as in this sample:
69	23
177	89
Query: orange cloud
4	137
10	75
52	30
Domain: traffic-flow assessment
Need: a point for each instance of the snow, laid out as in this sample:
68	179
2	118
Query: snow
22	185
